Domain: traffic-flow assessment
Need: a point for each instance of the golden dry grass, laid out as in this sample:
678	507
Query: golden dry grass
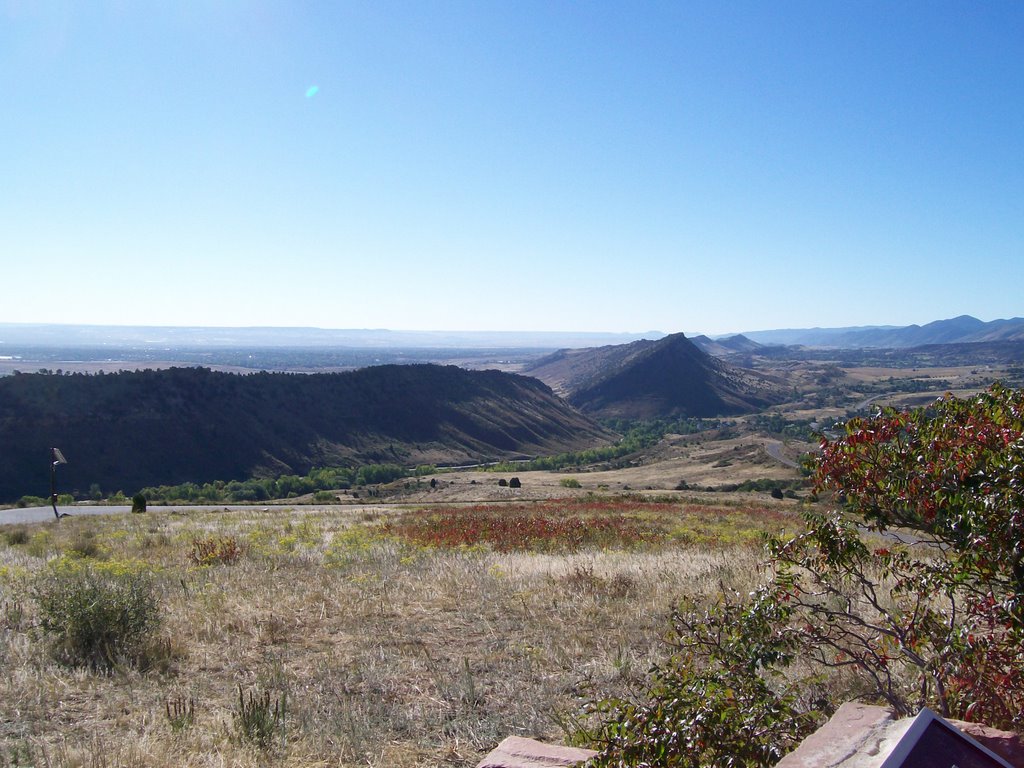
386	653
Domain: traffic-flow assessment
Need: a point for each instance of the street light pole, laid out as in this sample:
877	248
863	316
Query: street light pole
56	457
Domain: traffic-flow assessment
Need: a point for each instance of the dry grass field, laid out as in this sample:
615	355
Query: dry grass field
347	636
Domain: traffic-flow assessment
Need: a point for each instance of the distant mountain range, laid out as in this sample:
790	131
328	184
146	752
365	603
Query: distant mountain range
650	379
957	330
163	427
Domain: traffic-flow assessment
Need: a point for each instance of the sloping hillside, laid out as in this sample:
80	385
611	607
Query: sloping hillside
129	430
648	379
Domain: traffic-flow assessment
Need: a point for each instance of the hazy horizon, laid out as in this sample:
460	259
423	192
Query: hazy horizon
650	332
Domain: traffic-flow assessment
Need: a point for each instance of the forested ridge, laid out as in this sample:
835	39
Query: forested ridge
132	429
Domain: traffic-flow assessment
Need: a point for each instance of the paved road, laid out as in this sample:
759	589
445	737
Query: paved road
775	451
44	514
865	403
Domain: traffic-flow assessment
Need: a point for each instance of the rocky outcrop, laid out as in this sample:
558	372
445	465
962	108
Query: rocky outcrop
1006	744
517	752
863	736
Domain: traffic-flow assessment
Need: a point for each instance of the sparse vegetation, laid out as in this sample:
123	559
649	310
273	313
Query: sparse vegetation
427	654
97	617
16	535
211	550
181	713
260	721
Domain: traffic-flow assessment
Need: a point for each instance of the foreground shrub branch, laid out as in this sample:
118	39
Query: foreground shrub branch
912	594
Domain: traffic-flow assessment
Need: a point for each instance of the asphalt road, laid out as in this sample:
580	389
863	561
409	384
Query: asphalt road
775	451
43	514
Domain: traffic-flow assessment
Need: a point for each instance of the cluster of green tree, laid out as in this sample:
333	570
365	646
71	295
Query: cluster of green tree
63	499
317	480
768	485
648	432
636	436
911	593
924	383
774	423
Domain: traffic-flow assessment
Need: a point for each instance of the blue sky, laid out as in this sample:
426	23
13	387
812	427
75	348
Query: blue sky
588	166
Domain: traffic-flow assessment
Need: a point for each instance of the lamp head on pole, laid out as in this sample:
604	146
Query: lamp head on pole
56	458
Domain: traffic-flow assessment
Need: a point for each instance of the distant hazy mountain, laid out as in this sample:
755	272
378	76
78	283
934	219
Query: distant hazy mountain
647	379
175	337
130	430
728	346
957	330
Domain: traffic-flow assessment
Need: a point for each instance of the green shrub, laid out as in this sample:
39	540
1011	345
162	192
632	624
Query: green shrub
721	699
259	721
138	503
96	617
40	544
569	482
84	544
181	713
16	536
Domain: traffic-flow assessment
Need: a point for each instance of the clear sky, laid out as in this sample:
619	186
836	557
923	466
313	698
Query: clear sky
589	166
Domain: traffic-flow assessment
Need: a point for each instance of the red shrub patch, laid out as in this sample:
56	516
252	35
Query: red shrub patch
554	525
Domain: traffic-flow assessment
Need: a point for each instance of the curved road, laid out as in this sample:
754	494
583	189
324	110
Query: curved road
775	451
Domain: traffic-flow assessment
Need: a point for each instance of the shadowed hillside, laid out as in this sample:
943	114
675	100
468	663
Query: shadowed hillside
648	379
130	430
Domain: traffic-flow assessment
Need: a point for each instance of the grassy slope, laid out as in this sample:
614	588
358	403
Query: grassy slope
390	653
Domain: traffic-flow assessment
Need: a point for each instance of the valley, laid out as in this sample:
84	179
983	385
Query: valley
754	411
379	615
